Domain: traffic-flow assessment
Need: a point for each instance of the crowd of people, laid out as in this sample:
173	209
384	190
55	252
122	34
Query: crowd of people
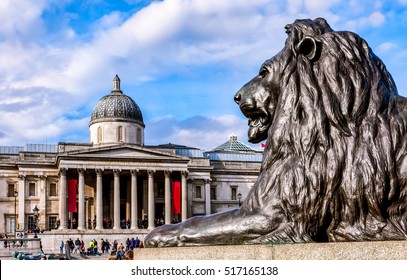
108	223
13	242
114	250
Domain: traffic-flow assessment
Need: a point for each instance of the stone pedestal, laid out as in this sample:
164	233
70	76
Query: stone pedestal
383	250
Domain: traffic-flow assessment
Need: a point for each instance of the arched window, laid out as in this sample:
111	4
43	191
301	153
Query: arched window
99	134
120	134
138	137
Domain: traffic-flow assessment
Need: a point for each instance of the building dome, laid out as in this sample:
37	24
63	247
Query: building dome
116	119
116	106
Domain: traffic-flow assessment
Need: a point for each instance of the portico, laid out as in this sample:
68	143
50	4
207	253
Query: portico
132	187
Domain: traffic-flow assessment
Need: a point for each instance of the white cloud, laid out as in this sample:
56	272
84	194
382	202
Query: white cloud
319	7
294	6
385	48
376	19
108	21
20	18
198	131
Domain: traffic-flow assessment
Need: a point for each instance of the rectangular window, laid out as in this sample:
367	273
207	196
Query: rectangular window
160	189
31	222
53	189
10	190
99	134
138	136
198	192
233	193
120	133
213	193
31	189
52	222
11	224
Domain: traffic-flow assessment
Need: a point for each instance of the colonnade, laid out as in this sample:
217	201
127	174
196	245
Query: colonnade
63	193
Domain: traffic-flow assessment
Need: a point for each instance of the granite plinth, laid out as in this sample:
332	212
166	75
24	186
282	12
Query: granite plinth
378	250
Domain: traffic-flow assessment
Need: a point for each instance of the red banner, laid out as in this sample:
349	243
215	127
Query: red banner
72	195
176	197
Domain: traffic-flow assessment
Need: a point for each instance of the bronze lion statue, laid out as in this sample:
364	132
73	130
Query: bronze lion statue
335	164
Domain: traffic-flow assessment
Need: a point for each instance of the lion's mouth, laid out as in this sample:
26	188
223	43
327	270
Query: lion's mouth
258	126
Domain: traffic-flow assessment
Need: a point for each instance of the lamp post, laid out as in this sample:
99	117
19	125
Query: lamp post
239	196
36	214
15	212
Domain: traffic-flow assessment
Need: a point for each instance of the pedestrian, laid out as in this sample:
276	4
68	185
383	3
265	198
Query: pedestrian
61	247
127	244
107	246
78	246
92	247
120	251
67	251
102	246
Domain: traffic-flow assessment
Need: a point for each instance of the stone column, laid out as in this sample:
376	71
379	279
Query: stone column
127	215
207	196
190	190
167	201
144	210
111	202
116	199
99	201
151	206
21	201
63	217
133	195
43	200
184	203
81	201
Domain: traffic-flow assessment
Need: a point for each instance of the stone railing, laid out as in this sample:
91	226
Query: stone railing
26	245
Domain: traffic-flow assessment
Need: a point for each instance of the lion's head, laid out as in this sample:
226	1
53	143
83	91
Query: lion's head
259	97
329	110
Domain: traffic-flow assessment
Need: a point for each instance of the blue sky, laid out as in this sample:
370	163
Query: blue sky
180	60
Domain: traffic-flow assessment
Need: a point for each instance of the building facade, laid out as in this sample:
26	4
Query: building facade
116	182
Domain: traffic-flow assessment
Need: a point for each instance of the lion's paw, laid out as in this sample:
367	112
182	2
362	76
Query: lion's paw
163	236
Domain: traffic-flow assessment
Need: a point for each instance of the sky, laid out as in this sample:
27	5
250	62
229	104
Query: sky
180	60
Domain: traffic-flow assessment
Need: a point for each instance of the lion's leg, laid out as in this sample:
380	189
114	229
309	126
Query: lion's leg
286	233
230	227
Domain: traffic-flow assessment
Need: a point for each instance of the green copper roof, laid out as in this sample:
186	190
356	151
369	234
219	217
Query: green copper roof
233	145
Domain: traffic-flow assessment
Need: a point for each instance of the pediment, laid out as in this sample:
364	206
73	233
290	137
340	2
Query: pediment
124	152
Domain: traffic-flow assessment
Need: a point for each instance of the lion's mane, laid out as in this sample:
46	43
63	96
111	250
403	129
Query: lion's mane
334	167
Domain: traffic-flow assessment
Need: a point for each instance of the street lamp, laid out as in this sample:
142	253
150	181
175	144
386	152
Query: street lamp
36	214
239	196
15	212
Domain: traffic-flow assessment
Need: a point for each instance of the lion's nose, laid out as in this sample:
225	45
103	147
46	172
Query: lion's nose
237	97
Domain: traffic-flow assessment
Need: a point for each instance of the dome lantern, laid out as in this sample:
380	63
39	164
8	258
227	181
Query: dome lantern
116	84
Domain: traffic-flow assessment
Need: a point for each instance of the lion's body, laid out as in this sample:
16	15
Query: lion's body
335	165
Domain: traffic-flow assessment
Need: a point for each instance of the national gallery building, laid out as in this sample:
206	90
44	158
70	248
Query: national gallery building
116	183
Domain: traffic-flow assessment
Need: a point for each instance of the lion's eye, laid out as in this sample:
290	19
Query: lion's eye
263	72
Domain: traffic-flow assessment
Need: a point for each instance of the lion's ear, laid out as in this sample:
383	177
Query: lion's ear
308	47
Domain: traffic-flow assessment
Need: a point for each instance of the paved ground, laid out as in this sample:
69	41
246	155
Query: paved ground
83	257
73	257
